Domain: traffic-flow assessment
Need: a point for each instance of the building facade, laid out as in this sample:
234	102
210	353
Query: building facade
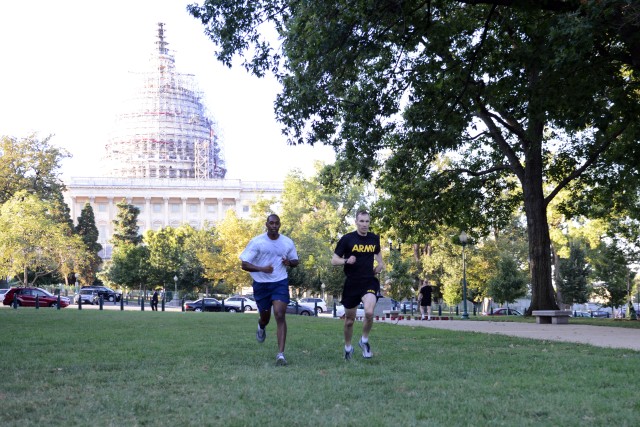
165	202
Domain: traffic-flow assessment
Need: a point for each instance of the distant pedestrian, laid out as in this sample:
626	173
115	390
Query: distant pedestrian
424	299
266	258
154	301
357	251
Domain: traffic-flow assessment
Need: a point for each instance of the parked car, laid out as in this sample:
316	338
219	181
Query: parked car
209	304
407	304
600	313
504	312
106	293
322	305
304	310
27	297
235	303
359	310
88	296
581	314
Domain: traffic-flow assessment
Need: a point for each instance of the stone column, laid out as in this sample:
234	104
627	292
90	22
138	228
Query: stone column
147	206
166	210
203	213
110	217
184	210
220	215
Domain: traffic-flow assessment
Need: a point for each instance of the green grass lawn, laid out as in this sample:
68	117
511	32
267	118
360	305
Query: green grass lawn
100	368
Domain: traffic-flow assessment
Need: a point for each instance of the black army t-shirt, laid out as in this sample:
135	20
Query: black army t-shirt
363	248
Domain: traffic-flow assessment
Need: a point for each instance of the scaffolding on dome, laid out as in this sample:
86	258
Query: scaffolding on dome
163	130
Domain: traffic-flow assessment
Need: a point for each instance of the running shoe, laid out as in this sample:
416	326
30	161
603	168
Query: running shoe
280	360
261	334
348	354
366	349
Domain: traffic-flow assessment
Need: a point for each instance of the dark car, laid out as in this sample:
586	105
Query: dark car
504	312
27	297
304	310
106	293
209	304
88	296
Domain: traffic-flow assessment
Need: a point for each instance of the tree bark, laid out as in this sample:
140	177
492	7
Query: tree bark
542	293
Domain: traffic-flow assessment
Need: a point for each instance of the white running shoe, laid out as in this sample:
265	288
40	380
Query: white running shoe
280	360
366	349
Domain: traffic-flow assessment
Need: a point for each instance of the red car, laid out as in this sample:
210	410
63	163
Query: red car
27	298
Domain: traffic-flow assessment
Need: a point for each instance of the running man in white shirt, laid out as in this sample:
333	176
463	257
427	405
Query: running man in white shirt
266	258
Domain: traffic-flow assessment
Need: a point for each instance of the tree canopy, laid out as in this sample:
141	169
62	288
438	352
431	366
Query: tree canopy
33	243
31	164
463	110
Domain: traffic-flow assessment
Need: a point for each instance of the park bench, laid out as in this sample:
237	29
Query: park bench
555	317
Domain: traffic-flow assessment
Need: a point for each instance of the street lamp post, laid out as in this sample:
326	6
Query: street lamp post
323	286
463	240
175	282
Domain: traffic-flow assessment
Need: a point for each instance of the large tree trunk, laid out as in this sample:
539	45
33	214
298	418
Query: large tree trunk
542	293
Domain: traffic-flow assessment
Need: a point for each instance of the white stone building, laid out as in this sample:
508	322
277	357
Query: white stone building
165	202
165	157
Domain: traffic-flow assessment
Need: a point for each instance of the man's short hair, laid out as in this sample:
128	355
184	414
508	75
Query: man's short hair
362	212
272	214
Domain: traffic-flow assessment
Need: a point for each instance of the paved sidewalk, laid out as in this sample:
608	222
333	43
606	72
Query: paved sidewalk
601	336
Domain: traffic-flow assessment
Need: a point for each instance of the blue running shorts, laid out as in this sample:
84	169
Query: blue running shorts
267	292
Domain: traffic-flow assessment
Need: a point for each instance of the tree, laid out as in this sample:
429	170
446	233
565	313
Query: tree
509	282
125	229
400	277
611	274
32	242
30	164
173	253
221	261
574	276
129	266
89	234
481	106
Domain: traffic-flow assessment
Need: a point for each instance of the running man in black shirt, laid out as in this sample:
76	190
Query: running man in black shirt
357	251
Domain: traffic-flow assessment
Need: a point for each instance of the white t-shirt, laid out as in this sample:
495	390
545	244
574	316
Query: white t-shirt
262	251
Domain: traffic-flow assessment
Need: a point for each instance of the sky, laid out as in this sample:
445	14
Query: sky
64	67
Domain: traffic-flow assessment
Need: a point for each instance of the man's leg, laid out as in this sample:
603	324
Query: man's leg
349	319
265	317
369	301
279	310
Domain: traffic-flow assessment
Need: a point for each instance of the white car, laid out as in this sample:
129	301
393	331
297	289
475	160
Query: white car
235	304
322	305
359	311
